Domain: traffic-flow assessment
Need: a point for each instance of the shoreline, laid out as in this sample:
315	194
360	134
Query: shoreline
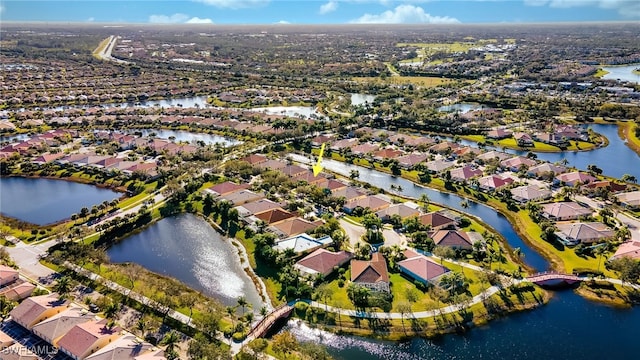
626	133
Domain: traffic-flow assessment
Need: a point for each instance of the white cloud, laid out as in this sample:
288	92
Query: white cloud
91	19
164	19
235	4
1	8
197	20
404	14
283	22
626	8
331	6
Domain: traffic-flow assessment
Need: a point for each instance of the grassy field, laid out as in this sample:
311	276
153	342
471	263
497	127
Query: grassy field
600	73
627	132
538	146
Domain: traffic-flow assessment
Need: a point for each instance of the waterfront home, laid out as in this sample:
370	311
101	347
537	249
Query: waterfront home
256	207
37	308
55	327
293	226
87	338
572	178
372	274
374	202
630	200
307	176
523	139
567	210
526	193
439	166
517	162
334	185
386	153
546	169
445	147
364	149
47	158
255	159
322	261
464	173
421	268
320	139
302	243
343	144
493	182
498	134
226	188
349	193
456	239
603	185
410	160
630	249
404	210
274	215
589	232
8	275
437	220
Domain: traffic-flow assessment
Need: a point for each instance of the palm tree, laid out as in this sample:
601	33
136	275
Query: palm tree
171	340
629	178
142	325
62	286
424	198
242	302
623	233
231	311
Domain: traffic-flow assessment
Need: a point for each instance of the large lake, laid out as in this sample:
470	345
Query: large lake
46	201
187	248
622	73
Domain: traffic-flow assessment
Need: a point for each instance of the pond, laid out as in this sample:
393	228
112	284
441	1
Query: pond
622	73
46	201
187	248
309	112
564	328
190	137
361	99
461	108
487	214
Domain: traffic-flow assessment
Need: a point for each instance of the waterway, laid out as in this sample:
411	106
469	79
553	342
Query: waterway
361	99
46	201
461	107
615	160
487	214
622	73
187	248
568	327
309	112
190	137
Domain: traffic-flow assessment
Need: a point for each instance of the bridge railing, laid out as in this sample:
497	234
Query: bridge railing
263	321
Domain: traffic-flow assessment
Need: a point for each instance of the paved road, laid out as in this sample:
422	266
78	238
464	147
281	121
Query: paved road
27	257
354	233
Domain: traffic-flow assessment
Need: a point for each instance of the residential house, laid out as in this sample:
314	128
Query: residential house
293	226
126	347
523	139
55	327
404	210
630	200
464	173
630	249
499	133
242	196
5	340
372	274
255	159
349	193
386	153
47	158
8	275
322	261
528	193
576	233
410	160
421	268
445	147
87	338
568	210
308	177
545	169
271	164
18	351
439	166
293	170
456	239
493	182
256	207
334	185
374	202
573	178
493	155
37	308
226	188
364	149
302	243
607	185
18	290
319	140
274	215
343	144
517	162
437	220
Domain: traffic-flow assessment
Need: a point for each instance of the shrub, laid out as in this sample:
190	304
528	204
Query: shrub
239	336
301	309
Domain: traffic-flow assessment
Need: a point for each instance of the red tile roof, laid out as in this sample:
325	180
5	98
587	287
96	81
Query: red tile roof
370	272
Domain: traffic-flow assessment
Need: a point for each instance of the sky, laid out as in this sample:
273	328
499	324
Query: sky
320	11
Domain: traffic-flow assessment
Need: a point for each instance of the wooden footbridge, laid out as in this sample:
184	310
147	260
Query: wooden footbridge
263	326
551	277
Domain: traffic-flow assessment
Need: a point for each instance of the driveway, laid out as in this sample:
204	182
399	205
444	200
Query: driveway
355	232
27	258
